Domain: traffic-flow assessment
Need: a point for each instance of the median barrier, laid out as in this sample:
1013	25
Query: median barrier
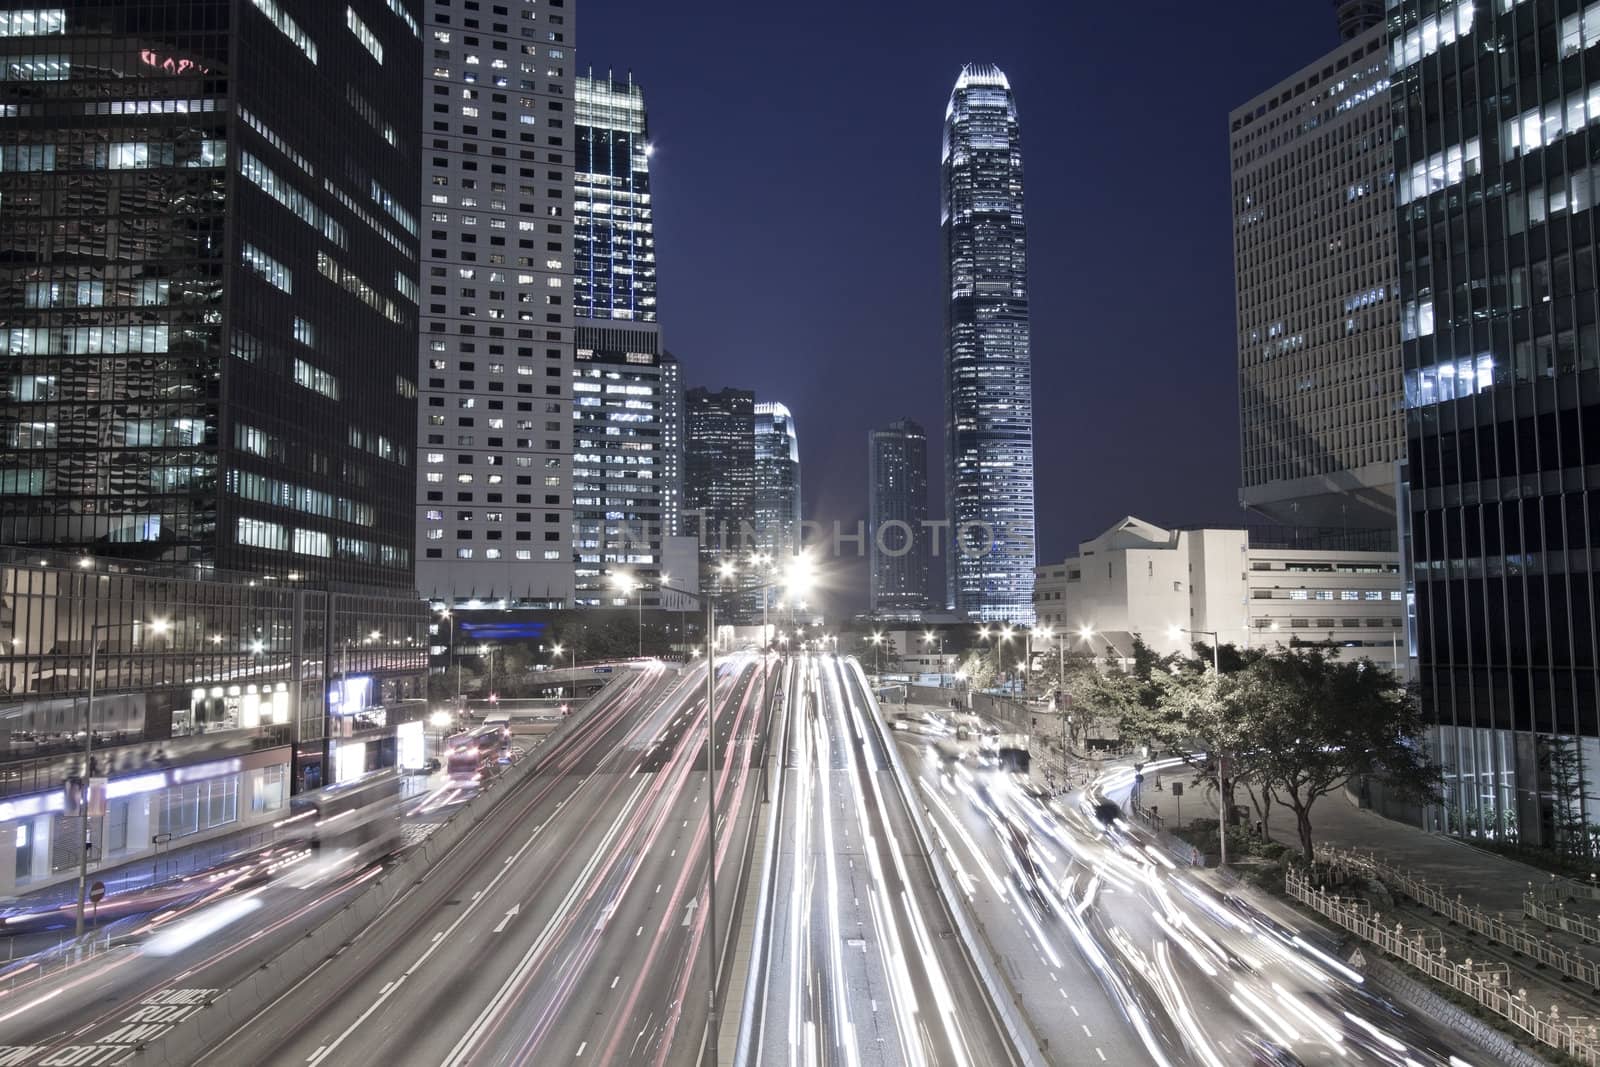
187	1042
1023	1040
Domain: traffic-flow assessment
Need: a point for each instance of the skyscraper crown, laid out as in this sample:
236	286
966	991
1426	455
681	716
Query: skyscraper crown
982	74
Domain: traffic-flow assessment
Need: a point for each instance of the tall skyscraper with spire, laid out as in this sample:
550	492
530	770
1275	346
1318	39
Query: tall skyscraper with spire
988	364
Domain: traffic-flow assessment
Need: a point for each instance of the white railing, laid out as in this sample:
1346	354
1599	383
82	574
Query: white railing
1486	984
1583	926
1494	927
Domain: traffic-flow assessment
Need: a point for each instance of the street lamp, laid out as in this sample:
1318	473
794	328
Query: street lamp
625	584
446	613
489	651
877	646
555	650
157	626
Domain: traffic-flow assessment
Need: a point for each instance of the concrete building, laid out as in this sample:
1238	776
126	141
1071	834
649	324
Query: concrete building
897	517
494	495
1318	308
1253	588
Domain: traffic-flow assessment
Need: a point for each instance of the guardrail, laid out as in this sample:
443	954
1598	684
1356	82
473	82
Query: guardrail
1485	983
1559	917
1494	927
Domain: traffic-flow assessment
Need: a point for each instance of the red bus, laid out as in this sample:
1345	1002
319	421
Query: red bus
476	754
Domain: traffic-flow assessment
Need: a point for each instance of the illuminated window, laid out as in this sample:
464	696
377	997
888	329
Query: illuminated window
368	39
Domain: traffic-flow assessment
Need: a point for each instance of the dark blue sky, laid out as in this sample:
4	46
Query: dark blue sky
796	187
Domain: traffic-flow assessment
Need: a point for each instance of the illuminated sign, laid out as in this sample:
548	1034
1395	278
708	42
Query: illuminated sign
411	743
171	64
205	770
349	695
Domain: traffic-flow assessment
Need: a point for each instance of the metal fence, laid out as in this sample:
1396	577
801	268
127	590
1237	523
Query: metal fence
1494	927
1488	984
1582	926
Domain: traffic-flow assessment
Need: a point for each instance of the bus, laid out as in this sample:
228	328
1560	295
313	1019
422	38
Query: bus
476	754
363	815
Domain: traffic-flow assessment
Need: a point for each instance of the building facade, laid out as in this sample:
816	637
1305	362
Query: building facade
1494	106
625	406
215	695
620	480
897	517
212	284
494	494
777	481
614	244
719	473
987	358
1259	588
1318	312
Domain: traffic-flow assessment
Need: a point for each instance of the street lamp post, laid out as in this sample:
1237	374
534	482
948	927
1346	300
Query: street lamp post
877	664
157	626
448	614
1222	757
489	651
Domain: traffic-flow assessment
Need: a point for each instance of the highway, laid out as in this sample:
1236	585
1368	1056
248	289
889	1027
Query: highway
569	926
1118	955
863	965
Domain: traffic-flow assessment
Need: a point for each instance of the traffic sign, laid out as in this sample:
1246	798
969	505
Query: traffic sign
97	892
602	670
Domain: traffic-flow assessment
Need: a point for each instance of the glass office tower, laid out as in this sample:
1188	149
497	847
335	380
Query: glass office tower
719	474
613	235
988	366
210	285
897	491
777	491
1494	106
625	389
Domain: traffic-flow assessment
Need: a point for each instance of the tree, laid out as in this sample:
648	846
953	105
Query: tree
1564	770
978	668
1310	722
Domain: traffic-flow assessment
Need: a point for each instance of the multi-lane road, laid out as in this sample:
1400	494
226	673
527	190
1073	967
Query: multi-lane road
1115	953
863	964
569	923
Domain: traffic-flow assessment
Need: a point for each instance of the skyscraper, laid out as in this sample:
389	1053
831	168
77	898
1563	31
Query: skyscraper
1318	315
897	492
777	481
1494	108
624	465
988	365
210	367
614	244
718	472
494	503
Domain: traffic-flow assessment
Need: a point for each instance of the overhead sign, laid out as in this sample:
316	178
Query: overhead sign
602	670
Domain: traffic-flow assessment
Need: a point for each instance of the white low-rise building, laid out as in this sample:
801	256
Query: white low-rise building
1251	588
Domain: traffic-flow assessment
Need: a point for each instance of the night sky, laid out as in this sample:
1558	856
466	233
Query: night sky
796	188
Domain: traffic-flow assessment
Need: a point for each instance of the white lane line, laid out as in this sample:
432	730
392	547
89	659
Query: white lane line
1097	1052
315	1054
582	1047
639	931
614	981
1086	1032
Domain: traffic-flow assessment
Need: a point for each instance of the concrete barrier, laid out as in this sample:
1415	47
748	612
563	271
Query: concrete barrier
189	1040
1023	1040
